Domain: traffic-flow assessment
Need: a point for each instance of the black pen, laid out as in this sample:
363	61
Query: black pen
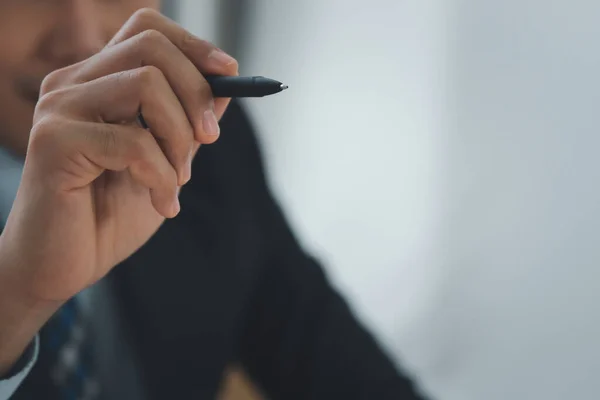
237	86
243	86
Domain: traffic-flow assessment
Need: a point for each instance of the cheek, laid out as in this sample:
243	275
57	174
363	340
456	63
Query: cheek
13	52
18	47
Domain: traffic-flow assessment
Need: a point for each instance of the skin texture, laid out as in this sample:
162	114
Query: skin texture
74	75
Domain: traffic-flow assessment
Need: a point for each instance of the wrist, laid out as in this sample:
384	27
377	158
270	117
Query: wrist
21	314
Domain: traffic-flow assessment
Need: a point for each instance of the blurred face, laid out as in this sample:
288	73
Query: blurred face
39	36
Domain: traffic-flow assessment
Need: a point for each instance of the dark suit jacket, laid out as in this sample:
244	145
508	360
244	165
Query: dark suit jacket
226	282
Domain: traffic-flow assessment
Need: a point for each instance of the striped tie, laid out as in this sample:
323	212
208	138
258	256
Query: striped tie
69	358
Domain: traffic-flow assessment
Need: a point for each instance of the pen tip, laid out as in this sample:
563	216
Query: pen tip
283	87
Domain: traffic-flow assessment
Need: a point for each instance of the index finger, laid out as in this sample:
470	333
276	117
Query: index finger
207	57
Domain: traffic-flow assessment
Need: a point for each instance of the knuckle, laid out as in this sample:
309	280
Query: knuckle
146	78
150	39
150	43
50	100
144	16
52	81
43	133
149	75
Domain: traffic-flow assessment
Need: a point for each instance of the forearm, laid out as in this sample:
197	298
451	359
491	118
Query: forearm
21	315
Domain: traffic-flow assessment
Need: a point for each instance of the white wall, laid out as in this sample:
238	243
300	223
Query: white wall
519	310
199	17
441	157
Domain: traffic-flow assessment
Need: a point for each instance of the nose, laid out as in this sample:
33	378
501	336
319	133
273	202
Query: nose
76	33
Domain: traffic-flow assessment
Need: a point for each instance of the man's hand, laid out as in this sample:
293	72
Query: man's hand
96	185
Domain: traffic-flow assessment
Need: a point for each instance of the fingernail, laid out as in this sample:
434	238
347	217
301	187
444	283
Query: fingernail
176	207
187	172
210	123
221	57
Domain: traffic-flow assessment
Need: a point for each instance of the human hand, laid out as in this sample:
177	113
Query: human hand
96	185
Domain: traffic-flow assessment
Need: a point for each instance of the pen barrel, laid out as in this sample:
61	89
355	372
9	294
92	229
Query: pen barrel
242	86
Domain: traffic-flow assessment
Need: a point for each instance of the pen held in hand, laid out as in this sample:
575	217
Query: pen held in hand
243	86
238	86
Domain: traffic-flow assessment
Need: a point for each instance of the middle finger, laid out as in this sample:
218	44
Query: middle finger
152	48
